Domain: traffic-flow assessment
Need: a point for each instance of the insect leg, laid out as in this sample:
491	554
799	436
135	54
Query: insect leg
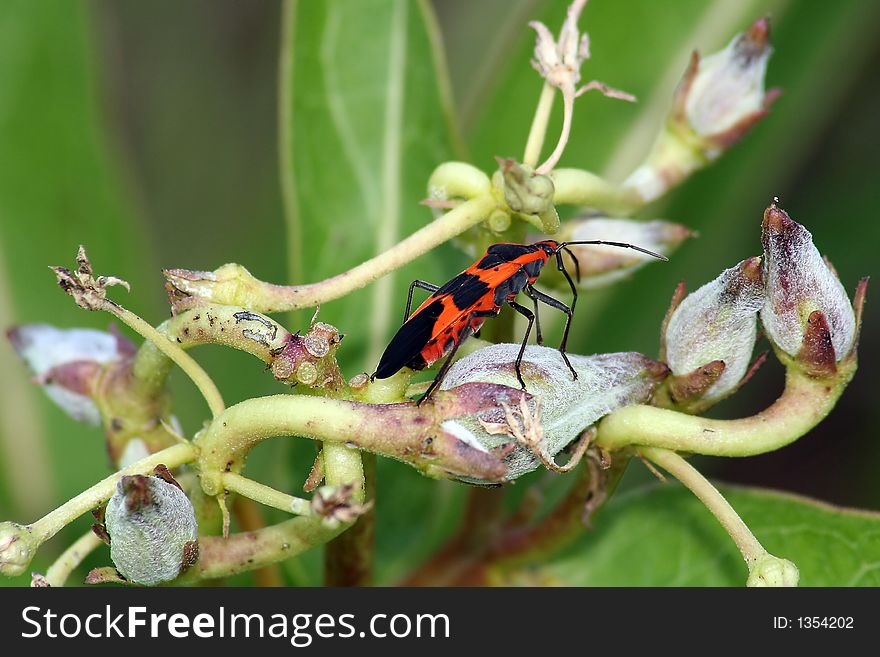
448	362
529	315
539	338
430	287
555	303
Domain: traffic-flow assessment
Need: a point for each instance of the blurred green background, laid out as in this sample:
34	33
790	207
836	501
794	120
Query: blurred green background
150	133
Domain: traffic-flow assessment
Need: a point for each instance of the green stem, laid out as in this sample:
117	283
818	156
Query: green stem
183	360
579	187
804	403
538	129
221	557
404	431
230	326
72	557
748	545
235	483
50	524
232	285
568	111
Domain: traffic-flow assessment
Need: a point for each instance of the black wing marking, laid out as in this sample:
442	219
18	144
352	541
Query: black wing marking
410	339
465	290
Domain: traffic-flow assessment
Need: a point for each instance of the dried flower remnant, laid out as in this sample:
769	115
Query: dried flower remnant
807	307
337	506
559	63
152	528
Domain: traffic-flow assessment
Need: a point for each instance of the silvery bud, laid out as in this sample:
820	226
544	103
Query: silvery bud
807	313
709	337
67	363
152	528
722	96
601	265
558	407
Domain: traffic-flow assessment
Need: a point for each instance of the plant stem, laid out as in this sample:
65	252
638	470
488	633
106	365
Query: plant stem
50	524
748	545
183	360
249	518
348	558
568	110
234	286
803	404
72	557
235	483
579	187
538	129
403	431
230	326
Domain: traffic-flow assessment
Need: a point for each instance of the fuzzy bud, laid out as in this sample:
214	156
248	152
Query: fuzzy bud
68	363
152	528
709	337
722	96
568	406
807	313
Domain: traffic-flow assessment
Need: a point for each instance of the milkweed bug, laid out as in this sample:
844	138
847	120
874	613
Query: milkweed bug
457	310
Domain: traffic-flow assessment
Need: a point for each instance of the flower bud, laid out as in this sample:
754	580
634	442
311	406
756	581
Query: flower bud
773	571
568	406
68	363
602	265
709	338
528	194
722	96
17	548
716	103
807	313
152	528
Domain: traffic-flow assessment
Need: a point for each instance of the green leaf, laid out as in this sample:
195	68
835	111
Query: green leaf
364	122
365	118
663	536
59	187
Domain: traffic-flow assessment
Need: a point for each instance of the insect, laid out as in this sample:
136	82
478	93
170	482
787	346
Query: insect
458	309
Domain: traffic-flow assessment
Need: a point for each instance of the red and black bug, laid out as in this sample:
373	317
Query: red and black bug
457	310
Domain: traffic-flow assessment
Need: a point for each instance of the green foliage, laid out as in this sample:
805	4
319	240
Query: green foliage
663	536
181	155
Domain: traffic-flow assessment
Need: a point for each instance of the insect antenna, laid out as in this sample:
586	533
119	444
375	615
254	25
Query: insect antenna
622	245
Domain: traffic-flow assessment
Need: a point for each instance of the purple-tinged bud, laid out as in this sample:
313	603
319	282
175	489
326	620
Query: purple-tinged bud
561	407
722	96
602	265
709	337
17	548
152	528
68	363
807	313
